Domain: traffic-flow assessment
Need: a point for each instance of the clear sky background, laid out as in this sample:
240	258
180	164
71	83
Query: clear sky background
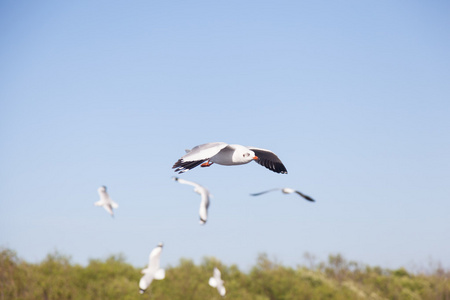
353	96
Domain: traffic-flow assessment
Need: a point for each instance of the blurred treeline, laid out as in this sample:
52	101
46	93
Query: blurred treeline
57	278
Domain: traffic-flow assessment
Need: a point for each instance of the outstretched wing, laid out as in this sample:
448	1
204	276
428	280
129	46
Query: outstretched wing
204	204
145	282
212	282
182	166
305	196
216	273
198	155
99	203
269	160
221	290
184	181
154	258
257	194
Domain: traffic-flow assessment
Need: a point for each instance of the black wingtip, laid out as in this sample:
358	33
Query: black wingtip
177	164
276	167
306	197
279	168
309	199
184	166
269	160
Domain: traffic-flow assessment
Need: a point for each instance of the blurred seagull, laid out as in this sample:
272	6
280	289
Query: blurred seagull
227	155
153	271
286	191
217	282
204	193
106	201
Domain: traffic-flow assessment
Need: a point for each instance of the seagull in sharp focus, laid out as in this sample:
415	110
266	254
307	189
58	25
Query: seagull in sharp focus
228	155
153	271
205	195
286	191
106	201
217	282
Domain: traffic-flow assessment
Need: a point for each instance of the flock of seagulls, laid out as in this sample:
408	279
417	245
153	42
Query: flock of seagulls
205	155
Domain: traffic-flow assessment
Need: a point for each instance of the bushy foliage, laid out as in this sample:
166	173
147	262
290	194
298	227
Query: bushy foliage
57	278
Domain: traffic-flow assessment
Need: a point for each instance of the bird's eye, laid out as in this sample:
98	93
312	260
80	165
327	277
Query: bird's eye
246	154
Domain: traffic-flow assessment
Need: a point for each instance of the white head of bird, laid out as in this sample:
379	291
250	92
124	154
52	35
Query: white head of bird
243	154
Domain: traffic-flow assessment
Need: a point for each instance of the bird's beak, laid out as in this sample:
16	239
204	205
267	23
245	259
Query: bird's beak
255	157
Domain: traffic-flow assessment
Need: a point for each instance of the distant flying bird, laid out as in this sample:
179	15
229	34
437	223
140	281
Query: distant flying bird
227	155
286	191
153	271
217	282
106	201
205	195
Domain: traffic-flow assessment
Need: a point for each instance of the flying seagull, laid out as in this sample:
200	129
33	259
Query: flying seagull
106	201
227	155
205	195
153	271
286	191
217	282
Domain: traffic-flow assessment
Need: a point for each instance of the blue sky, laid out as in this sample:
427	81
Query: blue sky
352	96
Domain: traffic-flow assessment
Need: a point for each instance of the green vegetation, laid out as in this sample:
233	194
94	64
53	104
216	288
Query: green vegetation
56	278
